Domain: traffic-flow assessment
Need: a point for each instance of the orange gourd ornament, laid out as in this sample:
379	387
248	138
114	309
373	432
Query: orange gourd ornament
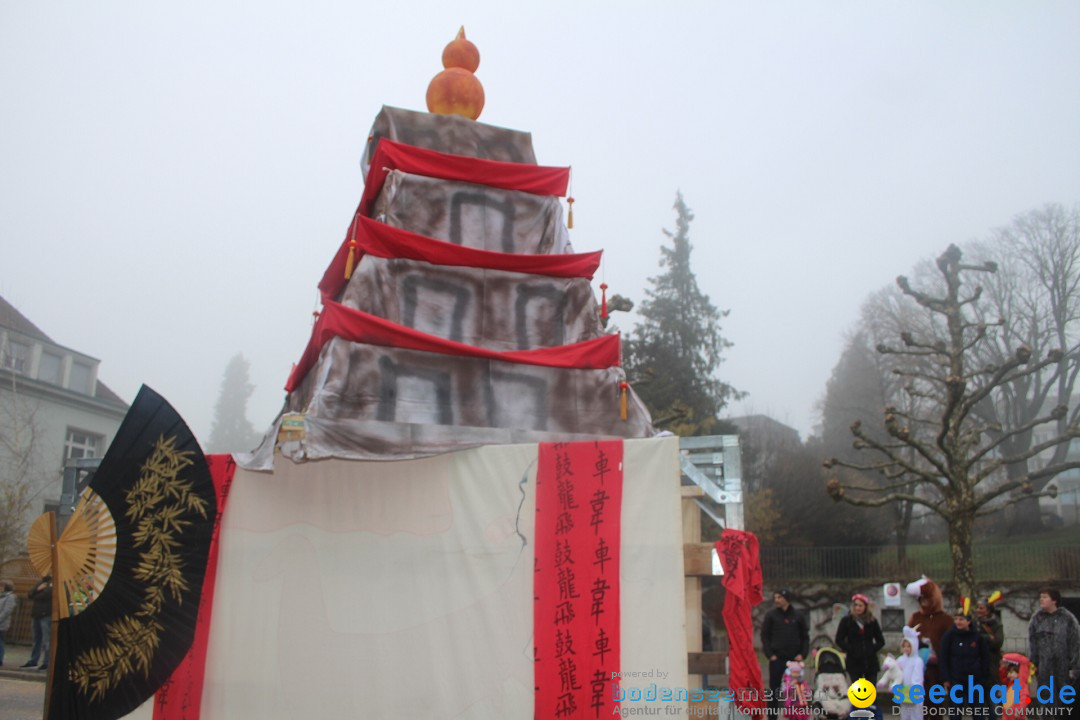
455	90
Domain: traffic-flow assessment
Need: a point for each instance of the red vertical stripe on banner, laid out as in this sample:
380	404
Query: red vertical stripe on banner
576	578
181	697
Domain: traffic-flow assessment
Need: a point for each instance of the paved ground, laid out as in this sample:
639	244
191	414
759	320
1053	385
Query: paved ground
14	656
22	692
21	699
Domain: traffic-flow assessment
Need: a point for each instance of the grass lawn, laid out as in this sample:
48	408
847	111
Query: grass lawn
1027	557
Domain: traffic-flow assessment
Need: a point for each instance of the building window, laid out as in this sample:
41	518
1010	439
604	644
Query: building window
50	368
81	378
81	444
892	620
16	356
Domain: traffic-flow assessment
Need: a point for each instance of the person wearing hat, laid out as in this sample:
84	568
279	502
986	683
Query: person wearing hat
989	626
785	636
859	637
964	658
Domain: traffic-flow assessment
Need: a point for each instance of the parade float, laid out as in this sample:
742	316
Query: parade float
463	510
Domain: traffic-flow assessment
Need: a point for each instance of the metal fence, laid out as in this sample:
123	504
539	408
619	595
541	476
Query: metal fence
996	563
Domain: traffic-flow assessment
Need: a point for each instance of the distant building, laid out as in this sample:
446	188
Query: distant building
763	442
52	408
1066	506
765	426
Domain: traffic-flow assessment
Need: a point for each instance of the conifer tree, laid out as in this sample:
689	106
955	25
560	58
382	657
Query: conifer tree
673	354
232	431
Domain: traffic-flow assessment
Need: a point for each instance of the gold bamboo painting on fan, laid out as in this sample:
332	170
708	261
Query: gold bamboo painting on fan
129	566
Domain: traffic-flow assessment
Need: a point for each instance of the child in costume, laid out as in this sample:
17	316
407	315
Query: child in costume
932	622
797	695
911	665
1015	667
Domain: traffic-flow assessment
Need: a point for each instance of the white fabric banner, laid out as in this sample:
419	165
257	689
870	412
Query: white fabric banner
352	589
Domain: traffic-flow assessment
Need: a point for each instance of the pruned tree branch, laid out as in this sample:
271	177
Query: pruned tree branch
953	447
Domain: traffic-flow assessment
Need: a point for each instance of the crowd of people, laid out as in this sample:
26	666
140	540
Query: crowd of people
962	647
40	597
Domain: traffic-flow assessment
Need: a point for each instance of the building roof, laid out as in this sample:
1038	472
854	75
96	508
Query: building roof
104	392
765	424
12	319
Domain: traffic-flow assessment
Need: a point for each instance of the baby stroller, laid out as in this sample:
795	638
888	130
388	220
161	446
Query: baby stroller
831	683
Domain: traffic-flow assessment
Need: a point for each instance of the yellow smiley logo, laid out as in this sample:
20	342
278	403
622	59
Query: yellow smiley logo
862	693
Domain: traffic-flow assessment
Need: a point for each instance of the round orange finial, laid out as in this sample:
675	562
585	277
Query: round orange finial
460	52
455	90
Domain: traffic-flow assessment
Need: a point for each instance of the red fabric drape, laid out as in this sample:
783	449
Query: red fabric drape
390	155
181	697
381	240
576	578
337	320
739	556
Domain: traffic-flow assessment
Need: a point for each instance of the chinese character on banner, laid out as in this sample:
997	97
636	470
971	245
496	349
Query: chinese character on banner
576	578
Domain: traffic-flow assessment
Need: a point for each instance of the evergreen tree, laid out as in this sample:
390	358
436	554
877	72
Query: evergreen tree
232	430
861	386
673	354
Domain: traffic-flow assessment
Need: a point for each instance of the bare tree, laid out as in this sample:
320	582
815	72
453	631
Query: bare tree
1036	297
938	451
21	477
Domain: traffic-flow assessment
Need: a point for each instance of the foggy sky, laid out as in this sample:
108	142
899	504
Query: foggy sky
174	179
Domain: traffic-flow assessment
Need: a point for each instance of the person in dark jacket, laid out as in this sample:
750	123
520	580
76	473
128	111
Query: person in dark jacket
989	626
784	636
40	617
964	659
859	637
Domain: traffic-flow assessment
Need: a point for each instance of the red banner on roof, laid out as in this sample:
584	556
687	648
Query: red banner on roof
576	579
390	155
337	320
381	240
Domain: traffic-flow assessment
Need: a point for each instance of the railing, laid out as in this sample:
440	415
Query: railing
995	563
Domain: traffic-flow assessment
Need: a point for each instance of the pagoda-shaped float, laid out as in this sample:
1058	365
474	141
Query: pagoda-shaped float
455	312
491	530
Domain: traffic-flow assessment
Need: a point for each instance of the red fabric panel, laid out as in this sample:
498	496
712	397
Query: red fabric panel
181	697
390	155
337	320
739	556
381	240
576	578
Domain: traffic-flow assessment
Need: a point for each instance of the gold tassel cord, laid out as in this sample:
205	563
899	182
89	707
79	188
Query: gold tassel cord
623	391
570	201
350	262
